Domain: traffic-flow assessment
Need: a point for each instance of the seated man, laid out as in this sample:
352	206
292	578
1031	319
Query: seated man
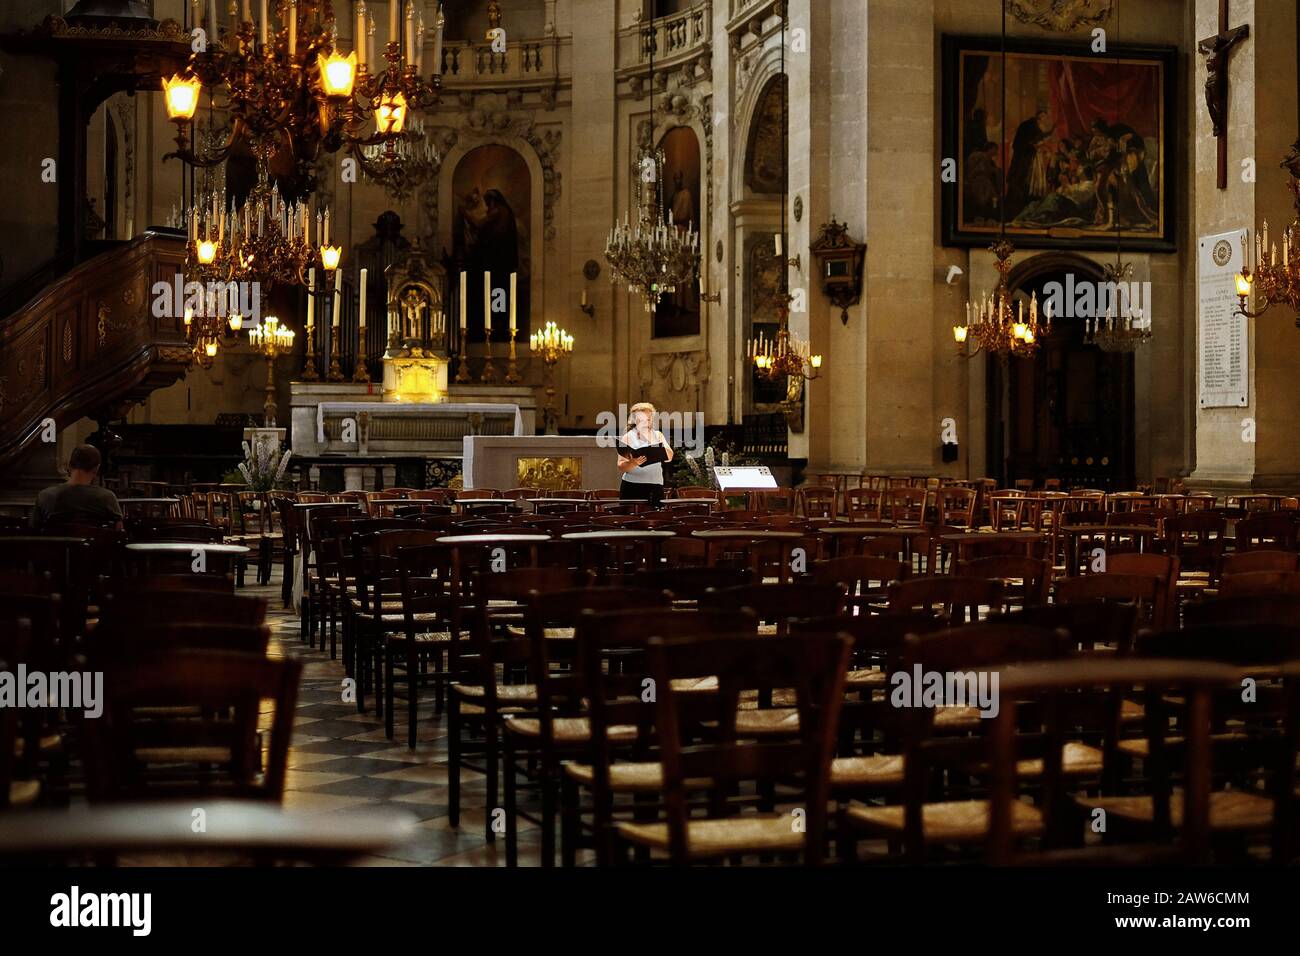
78	499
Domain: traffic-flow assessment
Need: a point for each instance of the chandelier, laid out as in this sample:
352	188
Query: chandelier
401	164
783	355
287	83
1273	282
1123	329
996	324
652	256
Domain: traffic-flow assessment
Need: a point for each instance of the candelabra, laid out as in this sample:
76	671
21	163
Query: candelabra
1121	330
1272	282
996	325
489	376
360	373
270	340
550	345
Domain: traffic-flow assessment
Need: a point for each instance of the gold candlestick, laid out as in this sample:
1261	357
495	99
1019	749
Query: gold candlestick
335	372
489	375
360	373
309	373
512	370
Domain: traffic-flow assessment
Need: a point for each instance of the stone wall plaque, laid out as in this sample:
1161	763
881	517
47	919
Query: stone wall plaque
1223	362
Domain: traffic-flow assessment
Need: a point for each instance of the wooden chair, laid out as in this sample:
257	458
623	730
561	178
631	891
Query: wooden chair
955	597
1148	593
1026	581
1262	609
814	668
612	677
1262	559
212	747
1007	510
863	504
15	790
1267	530
1106	627
904	505
817	501
691	584
1146	821
1197	539
778	604
955	507
1163	566
866	578
939	738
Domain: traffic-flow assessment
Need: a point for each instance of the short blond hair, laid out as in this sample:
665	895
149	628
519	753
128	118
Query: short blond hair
641	407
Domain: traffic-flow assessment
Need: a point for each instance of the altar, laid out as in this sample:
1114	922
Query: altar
539	461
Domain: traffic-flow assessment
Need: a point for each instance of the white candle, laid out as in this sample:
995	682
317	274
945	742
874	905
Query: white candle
487	303
362	320
293	27
437	42
359	43
392	21
777	237
464	302
311	295
512	301
212	19
261	21
410	33
419	45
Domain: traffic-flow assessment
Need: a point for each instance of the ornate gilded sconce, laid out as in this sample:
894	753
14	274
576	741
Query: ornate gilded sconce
839	262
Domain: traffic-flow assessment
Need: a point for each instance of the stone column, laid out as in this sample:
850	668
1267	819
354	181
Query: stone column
1261	127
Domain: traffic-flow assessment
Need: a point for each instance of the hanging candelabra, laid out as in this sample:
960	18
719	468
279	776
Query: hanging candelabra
270	340
1123	329
653	255
997	324
1273	281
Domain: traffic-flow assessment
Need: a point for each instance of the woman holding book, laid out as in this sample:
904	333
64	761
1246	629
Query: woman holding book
643	480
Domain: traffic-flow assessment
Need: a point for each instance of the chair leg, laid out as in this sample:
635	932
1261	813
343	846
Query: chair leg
412	700
570	820
547	784
490	757
304	619
453	762
512	824
388	691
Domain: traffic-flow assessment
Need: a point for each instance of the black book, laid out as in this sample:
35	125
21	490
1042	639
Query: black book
654	454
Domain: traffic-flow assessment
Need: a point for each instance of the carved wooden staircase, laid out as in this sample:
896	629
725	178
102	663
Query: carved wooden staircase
88	344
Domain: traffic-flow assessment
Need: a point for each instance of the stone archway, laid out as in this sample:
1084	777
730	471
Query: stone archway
1068	412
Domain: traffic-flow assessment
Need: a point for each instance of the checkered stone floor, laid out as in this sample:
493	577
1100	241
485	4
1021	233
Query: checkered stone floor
341	763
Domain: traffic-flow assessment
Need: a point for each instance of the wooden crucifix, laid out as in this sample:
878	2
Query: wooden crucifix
1216	49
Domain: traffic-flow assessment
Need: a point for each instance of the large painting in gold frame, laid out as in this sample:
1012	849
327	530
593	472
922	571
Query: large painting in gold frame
1082	153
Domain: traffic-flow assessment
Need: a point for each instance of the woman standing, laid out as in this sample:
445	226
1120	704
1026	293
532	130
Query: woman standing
642	482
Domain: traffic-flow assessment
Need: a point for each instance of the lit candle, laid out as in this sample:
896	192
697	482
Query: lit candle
464	302
325	239
362	320
487	303
359	43
311	295
512	302
584	297
338	299
370	40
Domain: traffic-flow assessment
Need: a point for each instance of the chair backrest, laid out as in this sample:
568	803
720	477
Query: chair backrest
956	597
817	501
69	561
1092	625
956	506
1267	530
1260	559
1243	644
1034	575
211	747
858	572
1259	582
863	504
812	666
904	504
1062	694
1249	609
1197	538
1148	592
780	603
690	584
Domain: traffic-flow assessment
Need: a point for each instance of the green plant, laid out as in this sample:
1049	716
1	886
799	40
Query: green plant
697	470
263	467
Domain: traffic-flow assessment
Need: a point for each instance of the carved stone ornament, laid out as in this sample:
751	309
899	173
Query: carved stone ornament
1060	16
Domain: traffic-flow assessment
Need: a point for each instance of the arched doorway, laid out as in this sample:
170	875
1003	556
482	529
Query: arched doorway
1067	412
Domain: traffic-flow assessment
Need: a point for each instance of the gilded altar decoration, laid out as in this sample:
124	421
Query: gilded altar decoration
1060	16
551	473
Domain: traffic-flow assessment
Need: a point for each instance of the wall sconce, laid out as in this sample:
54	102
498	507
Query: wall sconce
590	272
839	260
714	297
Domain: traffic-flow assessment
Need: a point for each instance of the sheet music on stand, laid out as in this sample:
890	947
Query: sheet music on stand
744	478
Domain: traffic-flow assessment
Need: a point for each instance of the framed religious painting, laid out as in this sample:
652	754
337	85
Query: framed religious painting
1084	151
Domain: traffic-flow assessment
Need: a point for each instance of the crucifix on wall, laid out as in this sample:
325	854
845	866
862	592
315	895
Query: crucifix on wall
1216	49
